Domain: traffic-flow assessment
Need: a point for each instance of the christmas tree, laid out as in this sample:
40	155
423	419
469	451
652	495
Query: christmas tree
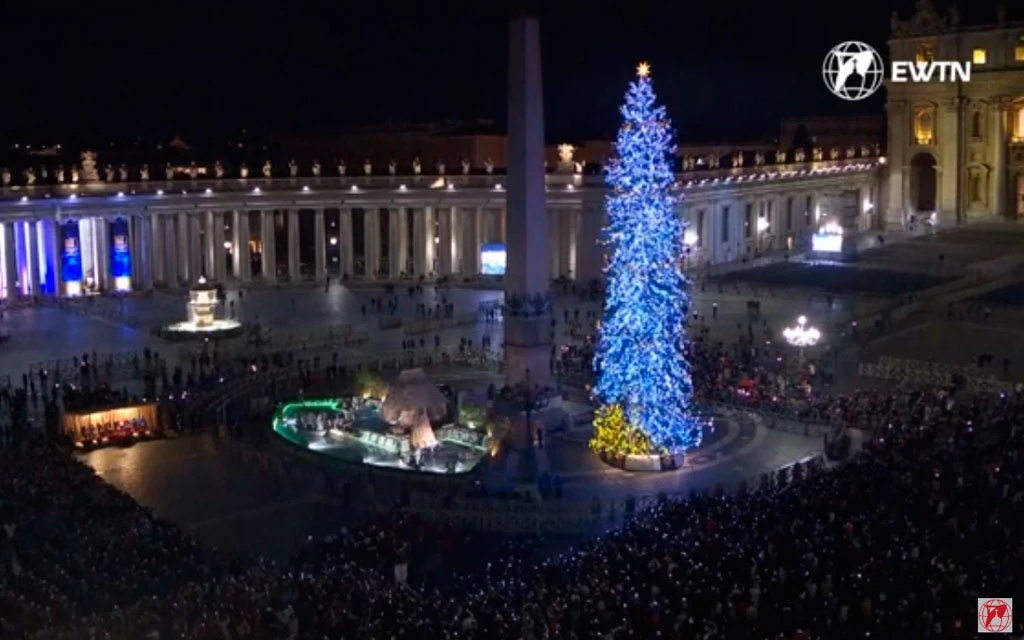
641	357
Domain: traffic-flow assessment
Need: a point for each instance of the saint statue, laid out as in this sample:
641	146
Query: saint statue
218	170
193	170
74	175
293	168
368	167
440	167
30	176
578	168
865	151
737	159
268	169
43	173
851	151
316	168
465	167
122	173
489	166
833	153
780	157
341	168
144	173
759	158
108	173
243	171
818	154
799	155
5	177
392	167
60	174
169	172
89	172
417	167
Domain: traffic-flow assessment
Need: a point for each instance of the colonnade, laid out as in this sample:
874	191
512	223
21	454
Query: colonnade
75	251
77	255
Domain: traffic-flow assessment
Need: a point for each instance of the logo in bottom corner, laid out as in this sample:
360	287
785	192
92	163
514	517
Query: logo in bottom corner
995	615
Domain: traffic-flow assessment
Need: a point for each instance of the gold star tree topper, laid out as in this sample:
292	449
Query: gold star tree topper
643	69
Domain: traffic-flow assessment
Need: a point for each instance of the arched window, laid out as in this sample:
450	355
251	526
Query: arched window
924	125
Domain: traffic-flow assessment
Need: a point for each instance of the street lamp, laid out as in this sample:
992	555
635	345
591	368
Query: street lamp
801	336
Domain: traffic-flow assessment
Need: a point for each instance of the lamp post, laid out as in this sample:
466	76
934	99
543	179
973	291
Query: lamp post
801	336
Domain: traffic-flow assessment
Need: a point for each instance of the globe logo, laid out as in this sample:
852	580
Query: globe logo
853	70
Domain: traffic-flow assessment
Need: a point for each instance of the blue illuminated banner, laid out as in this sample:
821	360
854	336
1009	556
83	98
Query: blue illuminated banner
120	255
71	257
492	259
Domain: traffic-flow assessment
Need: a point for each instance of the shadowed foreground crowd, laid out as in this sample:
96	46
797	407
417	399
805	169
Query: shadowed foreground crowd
899	542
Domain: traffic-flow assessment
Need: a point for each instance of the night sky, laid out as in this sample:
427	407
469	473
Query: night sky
725	70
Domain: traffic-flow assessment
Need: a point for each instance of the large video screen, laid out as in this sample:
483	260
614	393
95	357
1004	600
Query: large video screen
492	259
827	243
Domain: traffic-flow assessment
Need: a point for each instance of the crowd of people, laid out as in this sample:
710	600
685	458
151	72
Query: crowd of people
816	556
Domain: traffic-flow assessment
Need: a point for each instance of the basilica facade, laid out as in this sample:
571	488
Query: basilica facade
956	149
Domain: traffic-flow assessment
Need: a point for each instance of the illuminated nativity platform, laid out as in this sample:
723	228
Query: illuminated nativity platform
202	323
411	425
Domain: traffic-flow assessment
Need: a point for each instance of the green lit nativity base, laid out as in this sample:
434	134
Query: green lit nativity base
625	447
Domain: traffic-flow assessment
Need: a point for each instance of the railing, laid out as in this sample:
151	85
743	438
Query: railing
356	183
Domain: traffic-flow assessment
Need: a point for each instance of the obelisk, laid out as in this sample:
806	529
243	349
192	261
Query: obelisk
528	310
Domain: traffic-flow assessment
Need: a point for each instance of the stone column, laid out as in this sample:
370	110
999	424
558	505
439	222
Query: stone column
555	242
527	336
589	252
371	242
444	244
158	232
267	239
320	241
999	168
172	252
195	248
294	264
241	260
144	247
394	243
215	258
567	234
51	259
32	246
101	231
419	241
10	260
403	240
455	233
347	243
470	251
185	273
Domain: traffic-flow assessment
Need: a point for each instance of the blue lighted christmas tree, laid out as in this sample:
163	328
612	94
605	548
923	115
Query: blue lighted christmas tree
641	357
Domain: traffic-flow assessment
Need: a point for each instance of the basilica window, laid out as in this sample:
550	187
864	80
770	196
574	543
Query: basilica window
1017	122
789	213
725	225
925	53
977	125
1018	51
979	56
748	222
924	125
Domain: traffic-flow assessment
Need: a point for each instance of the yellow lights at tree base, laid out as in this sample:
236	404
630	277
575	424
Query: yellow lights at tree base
614	436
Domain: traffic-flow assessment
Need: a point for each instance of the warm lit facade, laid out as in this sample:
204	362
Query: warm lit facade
957	148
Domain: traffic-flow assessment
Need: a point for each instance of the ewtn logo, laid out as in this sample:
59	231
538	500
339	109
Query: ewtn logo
854	71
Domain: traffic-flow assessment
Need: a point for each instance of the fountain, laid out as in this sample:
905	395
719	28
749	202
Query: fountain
202	323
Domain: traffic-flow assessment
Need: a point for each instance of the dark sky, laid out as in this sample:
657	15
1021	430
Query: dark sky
723	68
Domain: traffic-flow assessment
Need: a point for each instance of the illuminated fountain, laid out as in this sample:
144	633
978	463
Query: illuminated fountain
202	323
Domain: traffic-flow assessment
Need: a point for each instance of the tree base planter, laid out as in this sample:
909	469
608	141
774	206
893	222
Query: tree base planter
652	463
